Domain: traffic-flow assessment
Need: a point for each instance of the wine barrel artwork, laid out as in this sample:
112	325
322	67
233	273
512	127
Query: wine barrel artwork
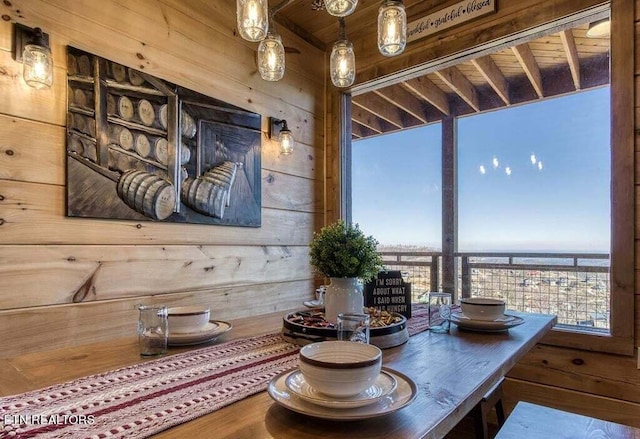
226	174
141	148
146	193
204	196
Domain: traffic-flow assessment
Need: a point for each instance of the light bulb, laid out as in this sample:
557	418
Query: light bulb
271	61
37	66
342	64
340	8
252	19
392	28
286	142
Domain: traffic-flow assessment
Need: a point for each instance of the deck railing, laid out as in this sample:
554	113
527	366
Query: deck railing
573	286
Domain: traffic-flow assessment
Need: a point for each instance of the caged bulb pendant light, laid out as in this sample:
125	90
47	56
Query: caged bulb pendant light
271	55
340	8
392	27
37	63
252	19
343	60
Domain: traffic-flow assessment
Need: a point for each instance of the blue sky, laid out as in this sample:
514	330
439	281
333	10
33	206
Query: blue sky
547	190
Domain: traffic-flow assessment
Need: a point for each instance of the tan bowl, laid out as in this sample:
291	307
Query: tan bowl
184	319
480	308
340	368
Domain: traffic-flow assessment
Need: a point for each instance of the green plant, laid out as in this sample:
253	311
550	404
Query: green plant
341	250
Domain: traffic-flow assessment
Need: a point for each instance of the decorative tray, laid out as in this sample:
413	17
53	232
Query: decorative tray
309	326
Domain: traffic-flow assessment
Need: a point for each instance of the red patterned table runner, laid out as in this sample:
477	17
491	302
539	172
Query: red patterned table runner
140	400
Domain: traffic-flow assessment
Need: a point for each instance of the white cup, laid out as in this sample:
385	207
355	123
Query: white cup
481	308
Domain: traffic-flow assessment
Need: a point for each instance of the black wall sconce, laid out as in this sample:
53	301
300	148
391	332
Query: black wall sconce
284	138
31	47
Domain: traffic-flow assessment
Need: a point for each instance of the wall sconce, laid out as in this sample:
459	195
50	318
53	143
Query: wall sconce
31	47
285	138
342	64
252	19
392	27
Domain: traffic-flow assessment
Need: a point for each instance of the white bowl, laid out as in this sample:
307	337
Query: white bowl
183	319
340	368
481	308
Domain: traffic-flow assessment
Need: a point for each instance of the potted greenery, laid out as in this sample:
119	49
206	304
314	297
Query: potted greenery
344	254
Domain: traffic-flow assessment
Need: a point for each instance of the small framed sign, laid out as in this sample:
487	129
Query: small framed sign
389	292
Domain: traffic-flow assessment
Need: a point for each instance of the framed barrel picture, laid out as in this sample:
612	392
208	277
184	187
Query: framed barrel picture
140	148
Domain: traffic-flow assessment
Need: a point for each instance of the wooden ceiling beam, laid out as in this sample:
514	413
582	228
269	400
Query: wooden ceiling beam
302	33
569	46
530	66
381	108
360	131
370	120
404	100
461	85
424	88
492	74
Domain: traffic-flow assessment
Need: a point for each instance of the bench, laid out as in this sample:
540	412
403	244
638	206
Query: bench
533	421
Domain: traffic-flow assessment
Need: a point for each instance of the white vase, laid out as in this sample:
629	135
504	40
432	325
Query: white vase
343	295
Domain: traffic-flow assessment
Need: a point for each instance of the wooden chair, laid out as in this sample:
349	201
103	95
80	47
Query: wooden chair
492	399
534	421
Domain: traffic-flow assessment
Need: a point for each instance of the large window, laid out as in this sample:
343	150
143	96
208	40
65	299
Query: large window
535	183
535	170
397	188
537	178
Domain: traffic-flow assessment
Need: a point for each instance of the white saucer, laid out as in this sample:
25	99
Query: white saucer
210	326
384	385
497	325
211	331
405	393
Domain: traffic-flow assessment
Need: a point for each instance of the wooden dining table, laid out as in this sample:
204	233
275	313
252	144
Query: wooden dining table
452	372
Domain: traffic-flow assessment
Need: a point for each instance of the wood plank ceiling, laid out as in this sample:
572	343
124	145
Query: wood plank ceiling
556	64
552	65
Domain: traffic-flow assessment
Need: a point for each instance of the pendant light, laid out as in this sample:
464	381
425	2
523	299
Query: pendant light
271	55
342	61
37	63
340	8
392	27
252	19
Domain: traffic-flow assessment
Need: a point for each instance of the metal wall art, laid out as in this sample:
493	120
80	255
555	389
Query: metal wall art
140	148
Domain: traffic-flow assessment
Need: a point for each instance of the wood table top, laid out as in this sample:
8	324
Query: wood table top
452	372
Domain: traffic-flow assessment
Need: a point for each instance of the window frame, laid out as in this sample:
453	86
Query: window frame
620	339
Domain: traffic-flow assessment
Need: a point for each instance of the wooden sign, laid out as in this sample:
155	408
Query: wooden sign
389	292
450	16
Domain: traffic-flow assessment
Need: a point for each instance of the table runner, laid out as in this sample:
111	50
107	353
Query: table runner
140	400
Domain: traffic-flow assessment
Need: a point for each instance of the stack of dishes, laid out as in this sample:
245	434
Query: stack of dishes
485	315
190	325
342	380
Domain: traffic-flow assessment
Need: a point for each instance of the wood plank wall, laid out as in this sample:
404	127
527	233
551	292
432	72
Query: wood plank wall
66	281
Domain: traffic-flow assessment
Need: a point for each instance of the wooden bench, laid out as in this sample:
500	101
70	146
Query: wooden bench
533	421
